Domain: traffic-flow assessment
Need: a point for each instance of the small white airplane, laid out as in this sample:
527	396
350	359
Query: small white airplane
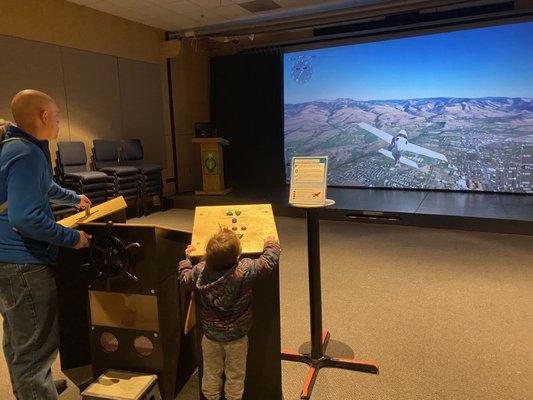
398	144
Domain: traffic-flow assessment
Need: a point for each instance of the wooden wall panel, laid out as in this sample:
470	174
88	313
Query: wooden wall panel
103	96
93	96
142	107
28	64
190	82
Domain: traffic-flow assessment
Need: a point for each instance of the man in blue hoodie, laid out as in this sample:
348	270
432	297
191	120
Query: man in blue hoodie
29	240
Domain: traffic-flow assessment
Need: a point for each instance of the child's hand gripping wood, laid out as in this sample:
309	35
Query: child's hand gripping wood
190	320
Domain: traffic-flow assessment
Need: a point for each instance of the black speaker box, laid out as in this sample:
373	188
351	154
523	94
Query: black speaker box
207	130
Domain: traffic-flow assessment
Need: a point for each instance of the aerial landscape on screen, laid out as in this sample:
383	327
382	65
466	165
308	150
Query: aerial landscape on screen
450	111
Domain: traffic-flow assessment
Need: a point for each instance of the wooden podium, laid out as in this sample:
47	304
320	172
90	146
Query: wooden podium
212	165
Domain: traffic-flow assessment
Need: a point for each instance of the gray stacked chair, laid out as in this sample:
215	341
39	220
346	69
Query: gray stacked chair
105	159
151	180
71	171
61	211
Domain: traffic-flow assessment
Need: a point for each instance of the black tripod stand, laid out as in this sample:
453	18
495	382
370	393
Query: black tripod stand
320	339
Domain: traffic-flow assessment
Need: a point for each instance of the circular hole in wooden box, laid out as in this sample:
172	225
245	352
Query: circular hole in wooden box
143	346
108	342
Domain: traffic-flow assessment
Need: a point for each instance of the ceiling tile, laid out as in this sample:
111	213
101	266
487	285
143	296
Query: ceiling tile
158	12
109	8
207	17
183	7
204	16
184	14
148	16
232	11
211	3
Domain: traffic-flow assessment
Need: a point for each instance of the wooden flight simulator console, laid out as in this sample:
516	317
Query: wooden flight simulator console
252	224
120	303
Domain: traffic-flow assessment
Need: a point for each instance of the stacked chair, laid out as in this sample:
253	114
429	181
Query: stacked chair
61	211
105	158
150	178
72	173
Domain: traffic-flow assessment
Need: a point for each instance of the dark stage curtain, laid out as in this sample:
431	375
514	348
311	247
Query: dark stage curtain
246	102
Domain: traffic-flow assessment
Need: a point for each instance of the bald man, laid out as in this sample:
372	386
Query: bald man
29	240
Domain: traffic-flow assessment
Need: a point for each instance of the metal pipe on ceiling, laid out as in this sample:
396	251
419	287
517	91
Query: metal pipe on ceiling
295	19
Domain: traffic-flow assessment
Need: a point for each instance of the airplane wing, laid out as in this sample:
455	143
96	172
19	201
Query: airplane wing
375	131
413	148
402	159
406	161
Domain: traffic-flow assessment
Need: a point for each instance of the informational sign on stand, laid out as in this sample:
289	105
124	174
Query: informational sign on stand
309	181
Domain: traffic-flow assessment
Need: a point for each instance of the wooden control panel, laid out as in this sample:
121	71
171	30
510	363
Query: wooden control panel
252	223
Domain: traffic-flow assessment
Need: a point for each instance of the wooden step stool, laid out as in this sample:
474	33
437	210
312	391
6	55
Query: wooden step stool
123	385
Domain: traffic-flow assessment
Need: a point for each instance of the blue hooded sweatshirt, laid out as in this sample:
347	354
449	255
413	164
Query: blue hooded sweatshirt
28	231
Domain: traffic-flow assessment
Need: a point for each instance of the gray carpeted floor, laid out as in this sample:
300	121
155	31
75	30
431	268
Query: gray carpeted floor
447	314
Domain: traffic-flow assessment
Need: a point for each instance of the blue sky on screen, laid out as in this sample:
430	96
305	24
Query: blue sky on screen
483	62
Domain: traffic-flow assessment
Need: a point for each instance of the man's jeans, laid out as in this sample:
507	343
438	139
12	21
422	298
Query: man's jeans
28	304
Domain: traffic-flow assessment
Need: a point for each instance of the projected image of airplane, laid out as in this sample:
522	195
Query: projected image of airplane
399	144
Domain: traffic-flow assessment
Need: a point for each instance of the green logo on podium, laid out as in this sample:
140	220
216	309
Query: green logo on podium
210	162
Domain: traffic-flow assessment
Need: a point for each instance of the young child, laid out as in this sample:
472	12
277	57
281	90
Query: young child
225	287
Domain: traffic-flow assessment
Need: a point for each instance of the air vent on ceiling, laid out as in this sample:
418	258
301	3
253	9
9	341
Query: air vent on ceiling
257	6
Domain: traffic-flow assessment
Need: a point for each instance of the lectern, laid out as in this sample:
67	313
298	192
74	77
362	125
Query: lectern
212	159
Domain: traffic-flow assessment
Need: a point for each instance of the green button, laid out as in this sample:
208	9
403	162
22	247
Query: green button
229	213
240	235
237	213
